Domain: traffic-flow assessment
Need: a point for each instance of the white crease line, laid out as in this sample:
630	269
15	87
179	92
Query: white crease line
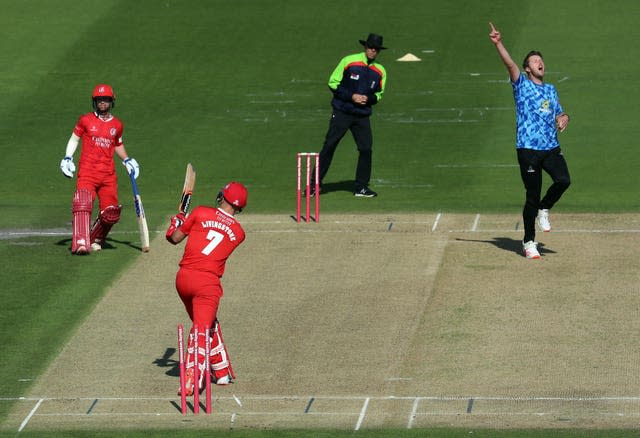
362	413
33	411
521	414
435	223
17	234
555	231
474	227
340	397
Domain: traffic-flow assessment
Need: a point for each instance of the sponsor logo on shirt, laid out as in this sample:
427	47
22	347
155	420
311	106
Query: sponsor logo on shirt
354	76
102	142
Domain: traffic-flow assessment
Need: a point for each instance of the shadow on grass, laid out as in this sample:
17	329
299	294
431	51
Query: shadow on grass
338	186
508	244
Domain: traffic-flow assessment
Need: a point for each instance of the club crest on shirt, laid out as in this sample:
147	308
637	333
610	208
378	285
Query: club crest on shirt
544	107
112	131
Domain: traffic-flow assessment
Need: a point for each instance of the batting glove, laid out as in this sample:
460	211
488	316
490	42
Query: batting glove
67	167
176	222
132	167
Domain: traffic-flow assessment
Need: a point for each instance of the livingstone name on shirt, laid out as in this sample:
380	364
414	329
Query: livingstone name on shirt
219	226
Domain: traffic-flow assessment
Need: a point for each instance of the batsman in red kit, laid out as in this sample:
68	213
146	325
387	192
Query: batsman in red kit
101	135
213	234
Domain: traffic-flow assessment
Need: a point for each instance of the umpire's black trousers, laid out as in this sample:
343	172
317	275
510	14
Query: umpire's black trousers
532	163
360	128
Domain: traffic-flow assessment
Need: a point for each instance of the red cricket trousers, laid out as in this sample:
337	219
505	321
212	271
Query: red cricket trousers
200	292
104	186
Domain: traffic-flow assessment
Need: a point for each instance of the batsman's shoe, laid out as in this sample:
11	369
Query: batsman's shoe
365	192
224	380
312	192
95	247
543	220
531	250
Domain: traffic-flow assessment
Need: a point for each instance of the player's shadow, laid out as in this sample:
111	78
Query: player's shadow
172	367
508	244
167	362
338	186
107	245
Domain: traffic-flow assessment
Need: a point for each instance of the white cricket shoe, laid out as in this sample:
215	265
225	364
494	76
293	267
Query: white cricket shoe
225	380
95	247
531	250
543	220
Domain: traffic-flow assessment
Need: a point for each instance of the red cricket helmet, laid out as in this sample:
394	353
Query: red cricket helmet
235	194
103	90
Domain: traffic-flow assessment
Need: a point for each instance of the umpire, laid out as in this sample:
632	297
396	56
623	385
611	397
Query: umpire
357	83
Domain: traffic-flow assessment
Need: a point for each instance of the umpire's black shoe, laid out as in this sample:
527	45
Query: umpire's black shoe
312	191
365	192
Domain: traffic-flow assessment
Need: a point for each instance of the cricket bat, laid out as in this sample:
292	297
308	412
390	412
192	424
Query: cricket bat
187	189
142	220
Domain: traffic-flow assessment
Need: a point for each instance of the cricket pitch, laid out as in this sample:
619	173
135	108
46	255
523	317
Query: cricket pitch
373	321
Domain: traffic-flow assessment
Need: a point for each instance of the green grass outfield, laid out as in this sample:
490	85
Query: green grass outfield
238	87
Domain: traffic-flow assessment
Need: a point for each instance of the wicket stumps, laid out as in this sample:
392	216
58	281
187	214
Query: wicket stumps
316	179
196	370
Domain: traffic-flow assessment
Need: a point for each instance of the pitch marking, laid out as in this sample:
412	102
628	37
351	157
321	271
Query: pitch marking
470	406
435	223
95	402
308	408
363	412
474	227
414	412
33	411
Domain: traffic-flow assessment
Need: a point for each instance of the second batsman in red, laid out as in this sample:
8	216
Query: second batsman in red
101	136
212	235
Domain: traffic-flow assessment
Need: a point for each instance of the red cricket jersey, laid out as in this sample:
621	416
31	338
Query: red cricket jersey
99	140
213	235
